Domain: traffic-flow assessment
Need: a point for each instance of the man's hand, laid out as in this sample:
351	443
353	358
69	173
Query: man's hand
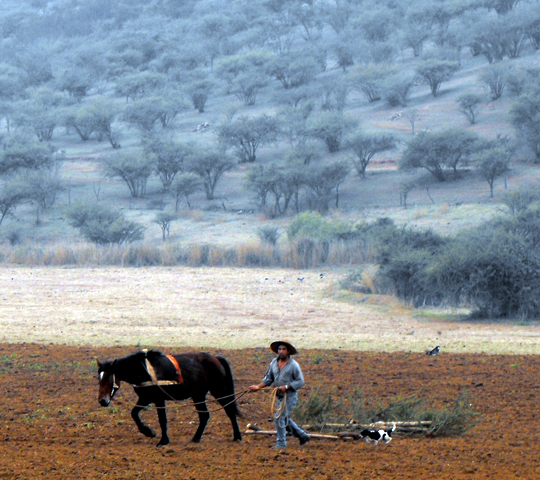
254	388
283	389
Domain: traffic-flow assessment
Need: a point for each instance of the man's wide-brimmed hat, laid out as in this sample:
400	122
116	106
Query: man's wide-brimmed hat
275	345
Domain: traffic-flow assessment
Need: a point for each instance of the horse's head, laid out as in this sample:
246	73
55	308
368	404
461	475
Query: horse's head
108	384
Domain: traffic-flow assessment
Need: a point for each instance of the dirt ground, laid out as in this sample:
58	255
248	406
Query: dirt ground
53	427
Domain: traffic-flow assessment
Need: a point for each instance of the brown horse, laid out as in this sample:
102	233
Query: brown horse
157	378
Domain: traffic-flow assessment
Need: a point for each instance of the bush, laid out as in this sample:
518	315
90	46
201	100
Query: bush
492	269
101	225
268	234
310	225
320	409
519	200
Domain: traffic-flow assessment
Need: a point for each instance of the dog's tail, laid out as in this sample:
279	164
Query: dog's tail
389	433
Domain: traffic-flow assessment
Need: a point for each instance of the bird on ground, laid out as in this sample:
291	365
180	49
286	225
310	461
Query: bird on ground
434	351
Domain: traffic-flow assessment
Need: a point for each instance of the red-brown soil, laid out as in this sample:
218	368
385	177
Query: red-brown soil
52	426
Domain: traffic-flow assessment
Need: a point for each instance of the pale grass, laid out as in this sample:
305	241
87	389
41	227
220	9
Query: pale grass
209	308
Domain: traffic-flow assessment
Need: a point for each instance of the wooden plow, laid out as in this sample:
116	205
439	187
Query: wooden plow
347	431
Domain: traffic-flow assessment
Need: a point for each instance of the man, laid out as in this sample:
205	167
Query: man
286	375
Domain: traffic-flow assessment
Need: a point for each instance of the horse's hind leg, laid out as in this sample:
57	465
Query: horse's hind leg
231	409
204	416
135	414
162	416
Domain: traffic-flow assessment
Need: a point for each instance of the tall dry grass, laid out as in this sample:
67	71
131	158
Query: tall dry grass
301	254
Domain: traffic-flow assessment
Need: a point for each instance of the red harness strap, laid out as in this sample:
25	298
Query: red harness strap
177	367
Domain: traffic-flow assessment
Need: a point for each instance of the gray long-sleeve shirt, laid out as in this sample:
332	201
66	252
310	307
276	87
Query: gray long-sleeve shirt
290	374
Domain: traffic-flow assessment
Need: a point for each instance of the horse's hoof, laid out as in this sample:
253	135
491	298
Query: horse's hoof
163	443
149	433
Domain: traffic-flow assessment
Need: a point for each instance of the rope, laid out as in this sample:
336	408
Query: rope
277	412
235	395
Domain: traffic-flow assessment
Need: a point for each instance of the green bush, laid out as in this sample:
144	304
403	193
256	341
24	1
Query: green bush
493	269
310	225
101	225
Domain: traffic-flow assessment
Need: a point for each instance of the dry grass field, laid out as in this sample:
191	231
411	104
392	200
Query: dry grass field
231	308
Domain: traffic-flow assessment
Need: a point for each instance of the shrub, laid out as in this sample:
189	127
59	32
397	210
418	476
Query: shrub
493	269
321	409
310	224
519	200
101	225
268	234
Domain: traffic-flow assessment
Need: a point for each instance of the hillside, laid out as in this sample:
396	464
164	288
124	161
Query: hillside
234	215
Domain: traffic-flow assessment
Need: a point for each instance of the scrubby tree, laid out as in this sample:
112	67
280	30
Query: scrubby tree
43	189
416	30
469	105
210	165
489	38
525	116
366	146
184	185
283	183
102	113
293	122
13	192
395	90
199	90
520	200
323	182
245	74
369	79
139	84
42	112
169	155
102	225
331	127
435	151
164	220
293	70
248	134
492	162
77	118
434	72
76	82
23	152
495	77
134	168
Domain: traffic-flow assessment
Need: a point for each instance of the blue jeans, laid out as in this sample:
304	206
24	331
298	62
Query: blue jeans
285	420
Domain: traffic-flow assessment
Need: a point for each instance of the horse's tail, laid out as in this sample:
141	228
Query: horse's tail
229	383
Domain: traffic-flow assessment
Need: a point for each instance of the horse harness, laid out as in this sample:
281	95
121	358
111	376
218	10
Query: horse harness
153	377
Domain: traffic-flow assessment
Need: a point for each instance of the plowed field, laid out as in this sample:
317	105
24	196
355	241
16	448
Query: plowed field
52	426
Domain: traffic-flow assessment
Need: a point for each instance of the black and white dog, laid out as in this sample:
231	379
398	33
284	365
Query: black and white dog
376	436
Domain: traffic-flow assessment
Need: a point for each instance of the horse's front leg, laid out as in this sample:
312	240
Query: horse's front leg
204	416
135	414
163	423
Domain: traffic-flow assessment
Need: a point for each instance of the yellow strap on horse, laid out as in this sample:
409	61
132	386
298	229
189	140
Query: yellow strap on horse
277	412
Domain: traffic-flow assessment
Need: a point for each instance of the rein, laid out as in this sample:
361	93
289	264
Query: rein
214	400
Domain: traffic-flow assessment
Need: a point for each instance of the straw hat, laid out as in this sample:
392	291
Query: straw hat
274	346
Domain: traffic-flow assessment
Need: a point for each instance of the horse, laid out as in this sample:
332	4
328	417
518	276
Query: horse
157	378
